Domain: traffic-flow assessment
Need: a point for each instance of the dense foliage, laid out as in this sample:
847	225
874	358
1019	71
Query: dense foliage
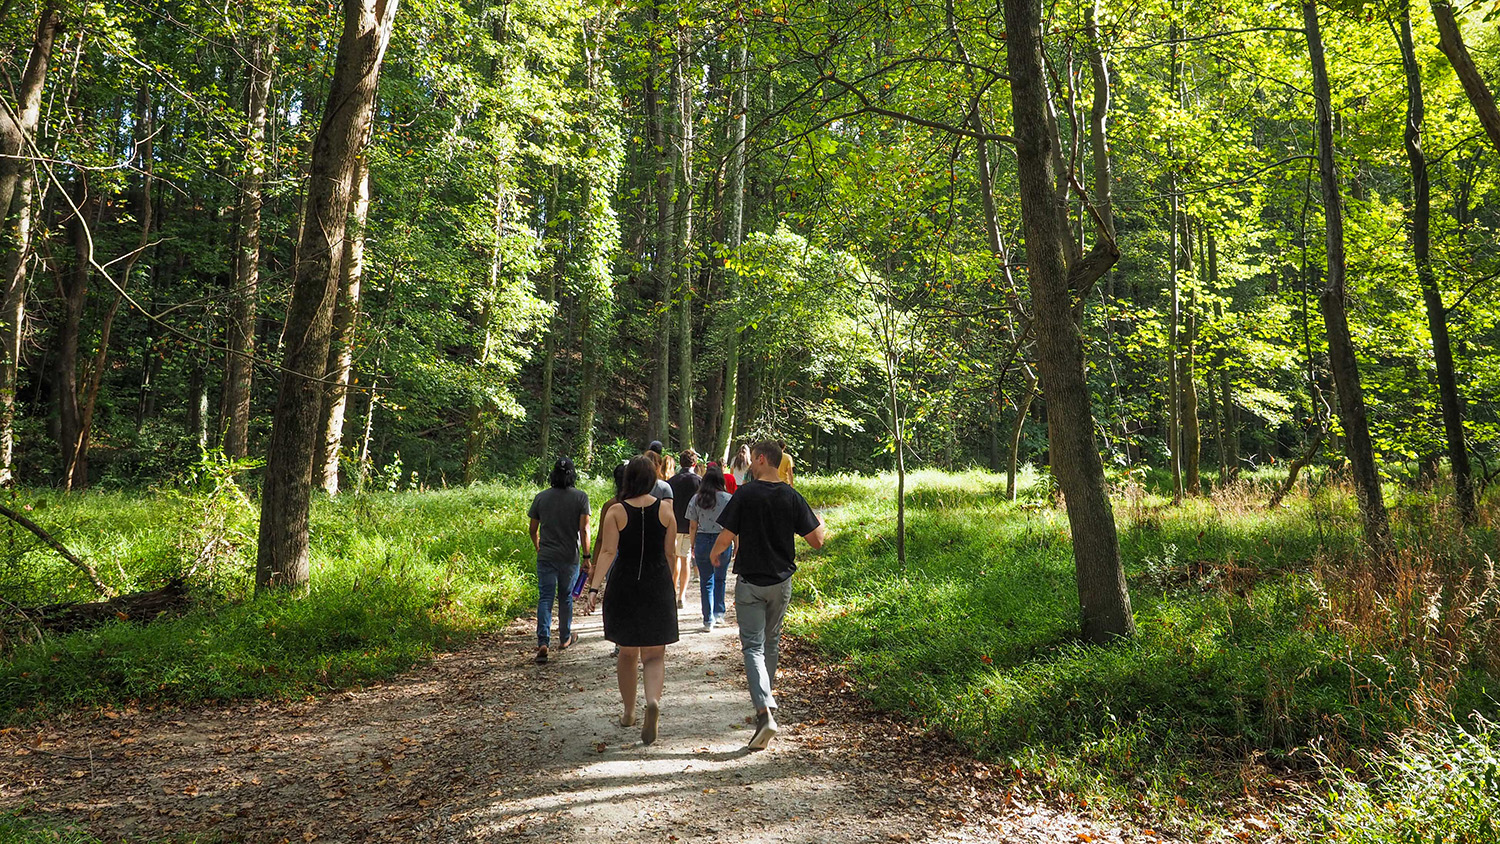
553	262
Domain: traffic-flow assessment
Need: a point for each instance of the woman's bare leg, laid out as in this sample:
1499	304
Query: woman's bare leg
653	661
625	671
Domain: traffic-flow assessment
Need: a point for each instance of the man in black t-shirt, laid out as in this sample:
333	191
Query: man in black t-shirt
684	486
764	517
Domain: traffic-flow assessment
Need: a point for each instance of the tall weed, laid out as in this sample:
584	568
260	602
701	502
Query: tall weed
1440	786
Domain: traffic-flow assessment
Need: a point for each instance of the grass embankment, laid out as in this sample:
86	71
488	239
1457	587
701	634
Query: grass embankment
1267	649
394	577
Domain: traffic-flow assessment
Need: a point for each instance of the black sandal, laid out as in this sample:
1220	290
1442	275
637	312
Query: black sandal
572	640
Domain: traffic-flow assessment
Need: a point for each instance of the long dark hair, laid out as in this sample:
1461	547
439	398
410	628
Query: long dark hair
563	474
713	484
620	482
741	458
640	477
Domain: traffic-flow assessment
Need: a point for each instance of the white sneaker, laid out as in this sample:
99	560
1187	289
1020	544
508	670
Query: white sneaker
765	730
707	628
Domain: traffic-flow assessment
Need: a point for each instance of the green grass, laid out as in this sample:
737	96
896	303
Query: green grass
1442	786
15	829
394	577
1261	653
18	829
1239	665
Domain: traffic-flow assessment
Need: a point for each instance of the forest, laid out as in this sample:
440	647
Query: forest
1193	307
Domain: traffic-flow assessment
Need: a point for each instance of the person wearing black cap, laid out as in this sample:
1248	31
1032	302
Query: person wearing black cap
559	528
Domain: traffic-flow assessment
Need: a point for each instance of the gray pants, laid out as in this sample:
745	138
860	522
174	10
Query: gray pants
760	610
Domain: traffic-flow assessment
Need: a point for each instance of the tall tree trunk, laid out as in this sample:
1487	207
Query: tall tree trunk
13	319
18	127
478	433
1023	410
658	415
17	134
196	424
341	341
736	233
898	433
1432	298
548	294
1357	446
1229	417
1187	414
594	305
1451	42
73	288
1103	598
686	200
1174	313
282	553
240	332
1001	252
369	432
145	155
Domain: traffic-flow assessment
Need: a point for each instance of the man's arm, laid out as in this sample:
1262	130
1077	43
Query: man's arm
720	546
583	535
818	534
536	533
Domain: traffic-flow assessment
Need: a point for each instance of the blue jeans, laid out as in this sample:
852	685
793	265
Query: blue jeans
761	609
711	580
554	583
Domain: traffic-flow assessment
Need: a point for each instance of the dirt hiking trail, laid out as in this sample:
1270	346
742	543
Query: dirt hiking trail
483	745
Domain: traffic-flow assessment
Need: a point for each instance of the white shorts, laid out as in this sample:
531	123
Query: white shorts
684	545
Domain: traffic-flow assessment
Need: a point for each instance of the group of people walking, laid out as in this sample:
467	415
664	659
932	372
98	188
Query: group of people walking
746	519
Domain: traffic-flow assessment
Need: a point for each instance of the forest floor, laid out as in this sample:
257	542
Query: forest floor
484	745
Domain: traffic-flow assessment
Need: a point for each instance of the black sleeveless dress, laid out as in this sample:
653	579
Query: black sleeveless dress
640	603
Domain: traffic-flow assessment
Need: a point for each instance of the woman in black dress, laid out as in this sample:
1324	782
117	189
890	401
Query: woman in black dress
640	606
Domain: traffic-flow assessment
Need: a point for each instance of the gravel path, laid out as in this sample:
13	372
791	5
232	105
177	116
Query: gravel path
483	745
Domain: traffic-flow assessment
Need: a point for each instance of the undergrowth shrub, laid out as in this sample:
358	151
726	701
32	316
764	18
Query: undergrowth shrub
1440	786
1258	635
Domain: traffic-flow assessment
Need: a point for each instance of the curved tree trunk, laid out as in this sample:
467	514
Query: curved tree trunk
282	552
1451	42
1357	445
